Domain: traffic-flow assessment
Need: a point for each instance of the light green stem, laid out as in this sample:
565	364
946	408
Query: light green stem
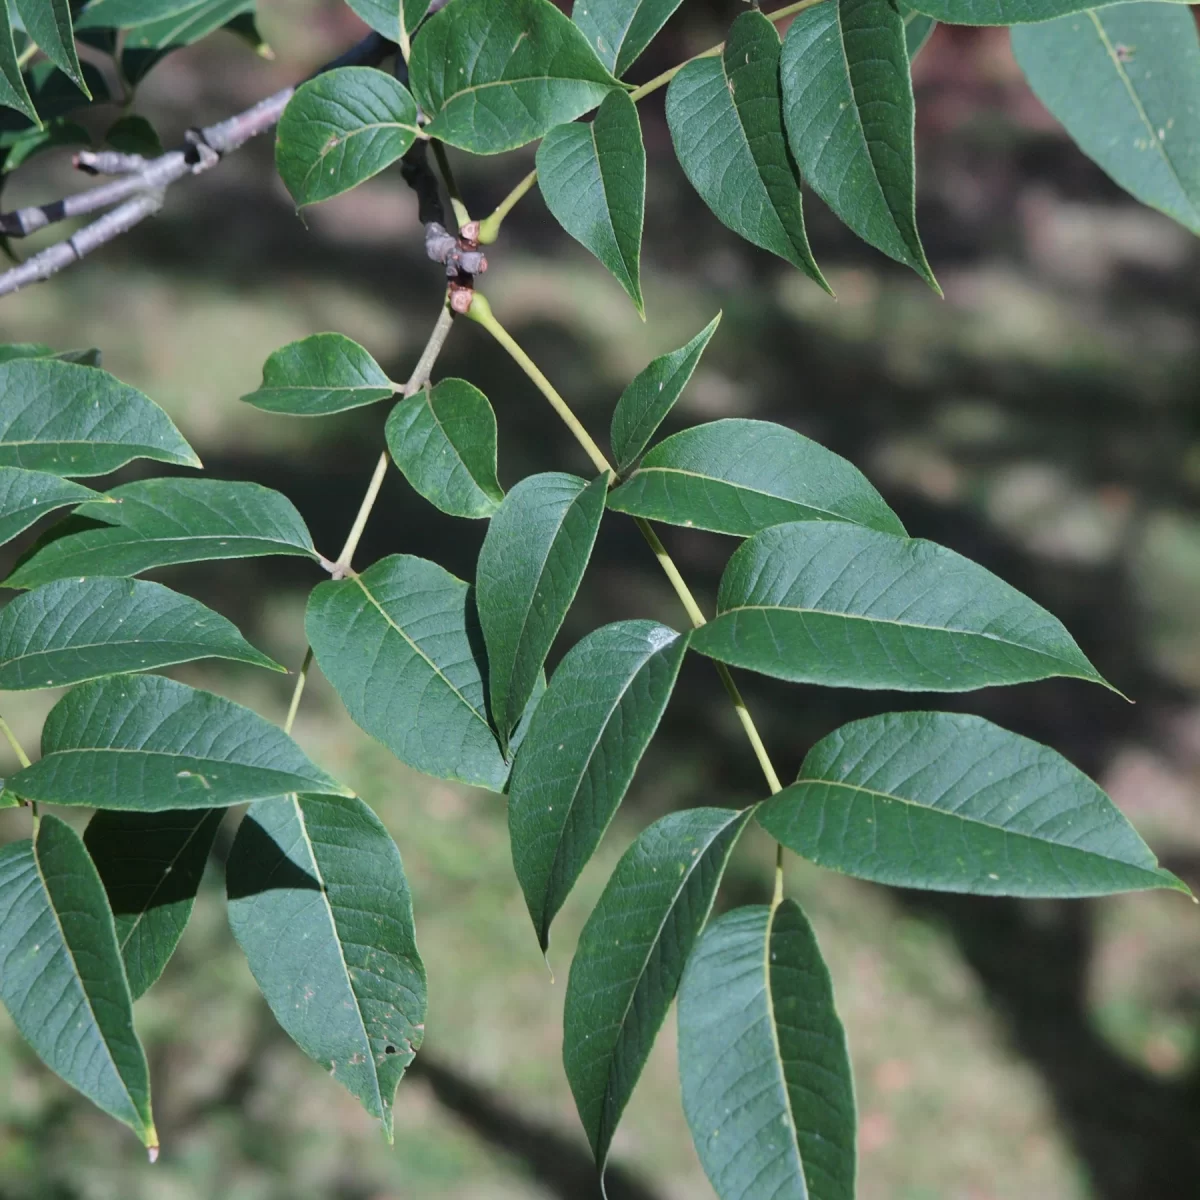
490	226
481	311
11	737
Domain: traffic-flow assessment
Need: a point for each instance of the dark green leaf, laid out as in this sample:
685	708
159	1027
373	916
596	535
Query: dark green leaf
134	135
533	558
48	22
162	522
320	905
15	350
122	14
50	136
593	178
78	629
848	104
954	803
444	440
340	129
837	604
8	800
55	94
1125	83
494	77
151	865
738	476
646	401
70	419
727	126
1004	12
918	28
186	26
401	645
27	495
63	982
584	743
763	1064
395	19
89	357
631	955
141	743
619	30
322	374
13	91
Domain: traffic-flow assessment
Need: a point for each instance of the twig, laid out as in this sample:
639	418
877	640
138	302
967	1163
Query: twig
203	149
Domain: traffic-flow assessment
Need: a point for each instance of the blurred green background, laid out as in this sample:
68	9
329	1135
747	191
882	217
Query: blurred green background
1043	419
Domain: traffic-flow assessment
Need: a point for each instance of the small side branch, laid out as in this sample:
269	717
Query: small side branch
141	185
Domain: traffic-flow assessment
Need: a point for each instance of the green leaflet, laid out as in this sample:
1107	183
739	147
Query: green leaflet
1005	12
918	29
26	496
340	129
75	420
123	14
848	104
644	404
320	905
163	522
61	978
322	374
1134	110
13	91
401	646
151	865
50	136
494	77
739	476
78	629
134	135
763	1064
48	22
619	30
395	19
142	743
444	441
15	350
584	743
725	120
837	604
631	955
186	26
593	179
954	803
533	558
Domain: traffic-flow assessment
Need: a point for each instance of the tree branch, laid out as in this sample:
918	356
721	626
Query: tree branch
143	188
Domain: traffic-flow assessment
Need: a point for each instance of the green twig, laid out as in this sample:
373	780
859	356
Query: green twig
481	312
489	227
11	737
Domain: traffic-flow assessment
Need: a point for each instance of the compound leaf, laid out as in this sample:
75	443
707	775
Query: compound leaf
765	1073
727	125
631	955
340	129
320	905
401	646
584	743
533	558
495	76
75	629
593	178
837	604
739	476
444	441
163	522
76	420
848	104
141	743
322	374
954	803
1125	83
644	404
26	496
61	977
151	865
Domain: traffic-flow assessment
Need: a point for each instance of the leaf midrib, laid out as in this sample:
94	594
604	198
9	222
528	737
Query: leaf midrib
743	487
